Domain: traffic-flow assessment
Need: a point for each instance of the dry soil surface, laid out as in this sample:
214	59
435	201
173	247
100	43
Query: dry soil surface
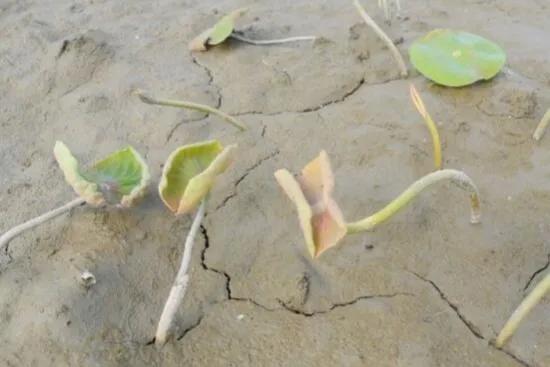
425	289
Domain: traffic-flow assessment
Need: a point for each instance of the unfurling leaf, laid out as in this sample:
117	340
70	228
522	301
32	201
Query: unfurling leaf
190	172
119	179
455	58
218	33
320	217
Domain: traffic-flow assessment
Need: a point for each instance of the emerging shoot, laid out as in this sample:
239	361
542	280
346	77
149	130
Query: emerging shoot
541	127
187	177
430	124
533	299
395	52
225	28
320	217
146	98
120	179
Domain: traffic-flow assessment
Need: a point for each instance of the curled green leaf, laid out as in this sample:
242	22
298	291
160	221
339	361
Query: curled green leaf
456	58
218	33
190	172
119	179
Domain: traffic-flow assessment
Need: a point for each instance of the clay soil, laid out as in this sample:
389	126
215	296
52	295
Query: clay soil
425	289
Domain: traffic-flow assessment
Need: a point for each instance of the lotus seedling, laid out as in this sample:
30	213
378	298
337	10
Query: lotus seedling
225	28
430	124
532	299
146	98
541	127
321	219
371	23
120	179
456	58
187	177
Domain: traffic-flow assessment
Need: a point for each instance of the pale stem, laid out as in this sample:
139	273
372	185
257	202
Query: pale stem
17	230
271	42
190	105
180	283
371	23
430	124
541	127
458	177
532	299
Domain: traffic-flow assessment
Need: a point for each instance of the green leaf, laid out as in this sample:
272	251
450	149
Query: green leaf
218	33
190	172
121	178
455	58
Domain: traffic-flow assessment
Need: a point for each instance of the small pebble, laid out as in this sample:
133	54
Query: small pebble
87	279
240	317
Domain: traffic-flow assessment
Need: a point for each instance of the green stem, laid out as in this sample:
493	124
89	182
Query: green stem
190	105
541	127
533	299
458	177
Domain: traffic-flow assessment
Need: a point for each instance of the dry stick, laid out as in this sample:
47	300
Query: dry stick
541	127
272	42
436	141
180	283
17	230
412	192
540	290
371	23
191	105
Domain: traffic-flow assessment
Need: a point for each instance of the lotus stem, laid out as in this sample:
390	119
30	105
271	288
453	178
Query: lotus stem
419	104
371	23
146	98
17	230
179	287
541	127
458	177
271	42
532	299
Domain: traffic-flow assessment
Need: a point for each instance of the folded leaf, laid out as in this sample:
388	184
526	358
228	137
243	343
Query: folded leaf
120	179
190	172
320	217
218	33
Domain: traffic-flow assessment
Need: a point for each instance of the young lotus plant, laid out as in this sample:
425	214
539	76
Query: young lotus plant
187	177
225	28
120	180
321	219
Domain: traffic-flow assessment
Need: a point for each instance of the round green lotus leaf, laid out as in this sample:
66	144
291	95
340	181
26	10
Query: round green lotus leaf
455	58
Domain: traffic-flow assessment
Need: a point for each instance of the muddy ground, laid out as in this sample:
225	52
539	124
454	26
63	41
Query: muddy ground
425	289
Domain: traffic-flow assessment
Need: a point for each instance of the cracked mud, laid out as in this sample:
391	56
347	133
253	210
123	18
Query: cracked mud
426	289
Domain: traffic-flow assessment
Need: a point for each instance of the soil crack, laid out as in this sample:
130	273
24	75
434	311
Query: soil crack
244	175
342	304
473	329
537	272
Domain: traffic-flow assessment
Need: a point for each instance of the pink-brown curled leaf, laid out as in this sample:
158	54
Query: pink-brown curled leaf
320	217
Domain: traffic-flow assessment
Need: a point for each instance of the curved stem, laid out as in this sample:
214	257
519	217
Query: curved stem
180	283
532	299
436	141
190	105
458	177
541	127
271	42
17	230
371	23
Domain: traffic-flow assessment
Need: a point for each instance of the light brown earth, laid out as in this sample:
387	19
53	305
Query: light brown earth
426	289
